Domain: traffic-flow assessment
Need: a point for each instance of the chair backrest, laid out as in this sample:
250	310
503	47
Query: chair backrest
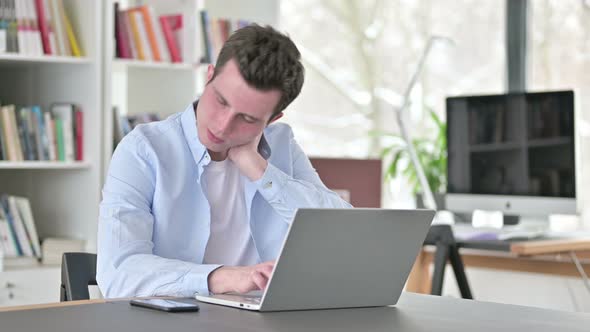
78	270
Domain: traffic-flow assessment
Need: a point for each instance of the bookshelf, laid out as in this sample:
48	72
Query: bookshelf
63	195
12	59
32	165
164	88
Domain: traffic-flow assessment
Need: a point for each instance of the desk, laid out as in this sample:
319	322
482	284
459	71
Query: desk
415	312
537	256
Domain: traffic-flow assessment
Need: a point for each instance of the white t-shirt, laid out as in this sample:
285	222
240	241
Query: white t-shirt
230	242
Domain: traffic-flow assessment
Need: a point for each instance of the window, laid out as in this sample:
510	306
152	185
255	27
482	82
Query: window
360	55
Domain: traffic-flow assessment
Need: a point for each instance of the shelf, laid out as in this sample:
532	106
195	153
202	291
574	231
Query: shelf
43	165
11	58
495	147
549	142
20	263
122	64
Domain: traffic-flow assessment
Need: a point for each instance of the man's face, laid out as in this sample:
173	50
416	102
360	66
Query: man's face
230	112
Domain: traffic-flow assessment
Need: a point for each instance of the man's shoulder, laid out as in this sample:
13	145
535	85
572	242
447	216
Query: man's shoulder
278	130
155	133
158	128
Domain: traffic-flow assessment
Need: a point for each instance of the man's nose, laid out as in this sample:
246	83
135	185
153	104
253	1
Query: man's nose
224	122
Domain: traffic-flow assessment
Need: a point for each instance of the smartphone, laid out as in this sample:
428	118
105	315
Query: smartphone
166	305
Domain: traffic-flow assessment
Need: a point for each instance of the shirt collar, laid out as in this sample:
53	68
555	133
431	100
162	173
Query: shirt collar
199	151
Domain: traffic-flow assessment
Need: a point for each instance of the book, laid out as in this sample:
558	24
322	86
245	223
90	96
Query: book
22	134
8	240
164	52
50	27
206	37
121	35
7	134
79	133
71	36
126	25
22	38
11	227
134	25
19	225
43	25
54	248
41	133
34	33
3	27
4	205
3	140
59	139
20	261
171	40
50	132
63	46
143	36
150	32
64	116
12	29
13	134
24	208
25	137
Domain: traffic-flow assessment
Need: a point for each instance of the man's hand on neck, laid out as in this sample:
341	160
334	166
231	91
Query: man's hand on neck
246	158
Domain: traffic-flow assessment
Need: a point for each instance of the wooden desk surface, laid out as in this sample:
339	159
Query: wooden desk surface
543	256
550	246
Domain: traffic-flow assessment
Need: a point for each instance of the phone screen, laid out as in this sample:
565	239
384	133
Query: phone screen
165	305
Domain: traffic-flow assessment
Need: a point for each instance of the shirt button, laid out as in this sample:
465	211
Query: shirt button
268	185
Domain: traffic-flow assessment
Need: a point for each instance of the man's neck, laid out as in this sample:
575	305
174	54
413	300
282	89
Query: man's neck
217	156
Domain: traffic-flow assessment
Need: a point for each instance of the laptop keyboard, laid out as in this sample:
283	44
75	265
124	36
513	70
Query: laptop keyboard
253	299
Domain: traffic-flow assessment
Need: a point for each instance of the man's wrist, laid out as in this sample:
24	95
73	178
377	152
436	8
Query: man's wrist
217	280
256	167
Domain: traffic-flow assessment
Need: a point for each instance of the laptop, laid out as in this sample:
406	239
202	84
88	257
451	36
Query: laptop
339	258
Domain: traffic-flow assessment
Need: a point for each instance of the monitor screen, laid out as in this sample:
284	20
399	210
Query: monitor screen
512	144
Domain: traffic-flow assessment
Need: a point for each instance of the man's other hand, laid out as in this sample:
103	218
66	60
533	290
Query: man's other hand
240	279
248	160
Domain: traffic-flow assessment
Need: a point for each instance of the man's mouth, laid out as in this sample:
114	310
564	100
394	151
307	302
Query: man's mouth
213	138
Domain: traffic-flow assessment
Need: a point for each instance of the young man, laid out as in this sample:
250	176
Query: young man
201	202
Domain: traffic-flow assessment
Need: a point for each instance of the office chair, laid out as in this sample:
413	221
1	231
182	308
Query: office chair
78	270
442	237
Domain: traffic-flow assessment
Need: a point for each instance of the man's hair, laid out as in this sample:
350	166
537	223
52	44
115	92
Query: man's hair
267	60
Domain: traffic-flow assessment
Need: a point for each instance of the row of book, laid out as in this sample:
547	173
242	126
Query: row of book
18	234
143	35
37	27
124	124
215	32
28	133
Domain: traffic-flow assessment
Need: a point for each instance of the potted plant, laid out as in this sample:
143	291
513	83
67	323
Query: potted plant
432	153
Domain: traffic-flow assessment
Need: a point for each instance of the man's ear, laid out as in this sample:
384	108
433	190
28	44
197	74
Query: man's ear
210	72
276	117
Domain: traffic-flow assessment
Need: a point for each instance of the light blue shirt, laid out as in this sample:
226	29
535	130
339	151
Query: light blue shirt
155	220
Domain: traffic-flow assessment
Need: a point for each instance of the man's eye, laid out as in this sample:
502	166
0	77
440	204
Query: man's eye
221	101
248	119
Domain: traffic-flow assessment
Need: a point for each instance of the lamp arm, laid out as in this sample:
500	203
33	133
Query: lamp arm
429	201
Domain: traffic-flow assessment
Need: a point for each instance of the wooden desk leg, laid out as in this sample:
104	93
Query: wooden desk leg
420	279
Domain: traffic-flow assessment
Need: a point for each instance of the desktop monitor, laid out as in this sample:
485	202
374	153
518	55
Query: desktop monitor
512	153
